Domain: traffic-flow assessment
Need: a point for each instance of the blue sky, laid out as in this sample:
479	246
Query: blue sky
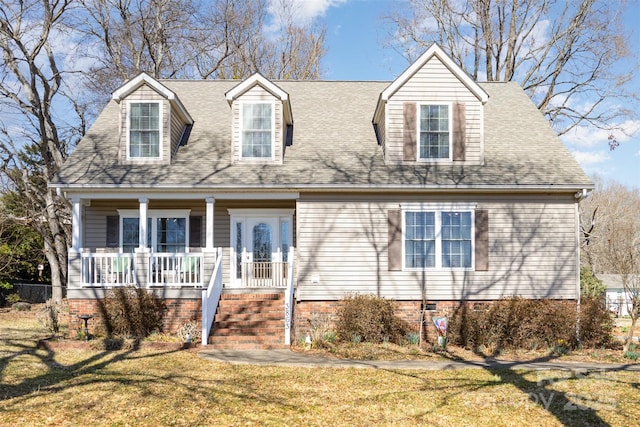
355	51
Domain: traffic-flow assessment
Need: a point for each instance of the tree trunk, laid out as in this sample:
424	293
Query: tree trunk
56	273
629	338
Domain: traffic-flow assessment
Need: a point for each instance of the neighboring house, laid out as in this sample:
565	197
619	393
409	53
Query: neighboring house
431	186
618	300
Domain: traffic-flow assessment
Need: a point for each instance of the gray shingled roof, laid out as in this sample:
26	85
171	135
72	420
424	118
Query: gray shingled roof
334	145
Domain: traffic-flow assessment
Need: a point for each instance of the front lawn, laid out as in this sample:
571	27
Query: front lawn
161	387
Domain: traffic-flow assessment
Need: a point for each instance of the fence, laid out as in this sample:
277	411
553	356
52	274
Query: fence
34	292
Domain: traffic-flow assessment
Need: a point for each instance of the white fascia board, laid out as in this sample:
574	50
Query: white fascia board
436	51
266	84
136	82
283	191
144	78
185	196
250	82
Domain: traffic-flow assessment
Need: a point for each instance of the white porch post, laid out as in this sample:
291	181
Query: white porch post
142	238
209	223
76	223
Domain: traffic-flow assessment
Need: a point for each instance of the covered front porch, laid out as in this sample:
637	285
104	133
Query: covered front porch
184	246
145	269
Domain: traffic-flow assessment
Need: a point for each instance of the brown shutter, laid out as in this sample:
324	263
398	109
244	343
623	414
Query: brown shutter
394	248
113	231
195	231
409	132
482	240
459	131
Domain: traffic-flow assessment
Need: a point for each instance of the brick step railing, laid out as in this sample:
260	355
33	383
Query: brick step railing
248	321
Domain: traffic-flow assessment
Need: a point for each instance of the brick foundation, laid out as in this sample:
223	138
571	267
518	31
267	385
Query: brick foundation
177	312
409	311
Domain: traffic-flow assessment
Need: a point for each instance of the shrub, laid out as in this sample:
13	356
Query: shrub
530	324
370	318
320	330
13	298
190	331
596	323
131	312
412	338
590	285
5	287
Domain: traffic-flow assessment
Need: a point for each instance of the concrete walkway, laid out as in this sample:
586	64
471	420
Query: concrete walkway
294	359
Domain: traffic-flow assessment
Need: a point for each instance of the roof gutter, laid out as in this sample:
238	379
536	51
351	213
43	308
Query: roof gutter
580	189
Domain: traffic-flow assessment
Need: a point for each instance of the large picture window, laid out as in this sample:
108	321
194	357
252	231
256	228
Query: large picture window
144	130
257	130
434	140
438	239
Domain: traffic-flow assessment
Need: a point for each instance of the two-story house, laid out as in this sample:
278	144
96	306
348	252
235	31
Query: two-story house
431	187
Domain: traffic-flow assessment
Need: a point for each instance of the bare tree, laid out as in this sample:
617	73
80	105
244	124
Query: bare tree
610	227
34	141
47	73
567	55
223	39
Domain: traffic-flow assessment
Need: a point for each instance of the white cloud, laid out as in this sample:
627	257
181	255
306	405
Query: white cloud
587	158
303	12
589	136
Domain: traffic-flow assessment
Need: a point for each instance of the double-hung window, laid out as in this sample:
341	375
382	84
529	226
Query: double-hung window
257	130
167	231
434	133
438	239
144	130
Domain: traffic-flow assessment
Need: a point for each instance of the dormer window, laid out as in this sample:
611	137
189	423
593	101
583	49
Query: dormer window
144	130
257	130
434	139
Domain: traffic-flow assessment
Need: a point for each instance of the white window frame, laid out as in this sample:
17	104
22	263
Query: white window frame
160	125
273	130
154	214
438	209
419	131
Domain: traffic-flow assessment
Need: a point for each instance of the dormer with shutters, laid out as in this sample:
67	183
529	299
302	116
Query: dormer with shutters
262	122
432	113
153	122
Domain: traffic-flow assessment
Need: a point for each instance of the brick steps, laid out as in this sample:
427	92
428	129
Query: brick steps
249	317
248	321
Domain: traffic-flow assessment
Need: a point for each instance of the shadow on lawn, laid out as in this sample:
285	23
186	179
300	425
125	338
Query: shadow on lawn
569	409
95	369
56	373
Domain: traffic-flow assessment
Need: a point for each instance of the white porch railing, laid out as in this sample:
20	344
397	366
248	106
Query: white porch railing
107	269
211	297
288	300
264	274
180	269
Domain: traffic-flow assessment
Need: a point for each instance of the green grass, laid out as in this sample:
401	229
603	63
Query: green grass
152	387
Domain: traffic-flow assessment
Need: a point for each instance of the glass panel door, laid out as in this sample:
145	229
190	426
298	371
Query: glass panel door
262	235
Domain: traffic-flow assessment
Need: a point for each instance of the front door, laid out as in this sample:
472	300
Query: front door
262	241
259	241
262	249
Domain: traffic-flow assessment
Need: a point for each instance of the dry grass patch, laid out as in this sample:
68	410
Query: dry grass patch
153	387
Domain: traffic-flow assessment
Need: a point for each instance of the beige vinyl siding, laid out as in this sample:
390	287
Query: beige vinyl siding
342	243
145	93
433	83
382	134
177	127
258	94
